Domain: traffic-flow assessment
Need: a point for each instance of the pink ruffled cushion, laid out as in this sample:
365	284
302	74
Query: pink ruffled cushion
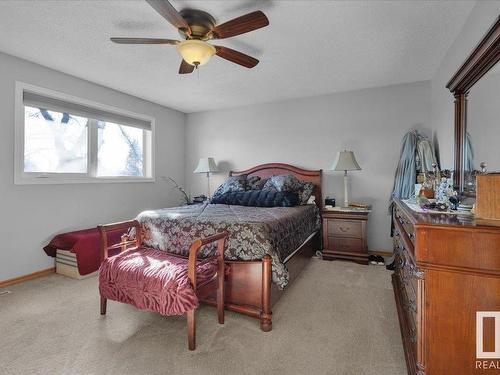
151	279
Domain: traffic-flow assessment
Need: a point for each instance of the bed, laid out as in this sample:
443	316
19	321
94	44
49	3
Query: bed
266	250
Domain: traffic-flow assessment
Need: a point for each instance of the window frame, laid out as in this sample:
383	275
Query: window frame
24	178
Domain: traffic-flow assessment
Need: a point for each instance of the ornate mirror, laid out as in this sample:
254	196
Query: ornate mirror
476	88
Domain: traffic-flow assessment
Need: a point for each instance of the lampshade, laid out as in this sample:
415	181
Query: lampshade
195	52
346	162
206	165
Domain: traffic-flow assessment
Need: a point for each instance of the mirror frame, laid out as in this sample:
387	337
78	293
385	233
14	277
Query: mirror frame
480	61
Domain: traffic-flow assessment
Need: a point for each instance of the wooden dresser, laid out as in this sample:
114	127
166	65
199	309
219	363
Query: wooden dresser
447	269
344	235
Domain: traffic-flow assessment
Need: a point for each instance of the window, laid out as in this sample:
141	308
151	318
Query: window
63	139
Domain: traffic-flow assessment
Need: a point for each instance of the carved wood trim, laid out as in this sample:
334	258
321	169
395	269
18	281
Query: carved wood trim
421	332
480	61
462	270
460	122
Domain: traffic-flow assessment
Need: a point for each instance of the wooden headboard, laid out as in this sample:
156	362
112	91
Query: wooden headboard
267	170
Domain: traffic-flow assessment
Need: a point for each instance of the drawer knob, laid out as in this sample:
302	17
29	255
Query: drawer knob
344	229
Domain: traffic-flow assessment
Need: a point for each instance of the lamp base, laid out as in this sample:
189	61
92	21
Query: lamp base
208	182
346	193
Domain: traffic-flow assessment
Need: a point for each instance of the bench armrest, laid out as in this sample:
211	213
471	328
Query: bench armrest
125	240
220	238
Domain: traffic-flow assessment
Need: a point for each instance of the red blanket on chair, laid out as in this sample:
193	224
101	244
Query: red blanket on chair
86	244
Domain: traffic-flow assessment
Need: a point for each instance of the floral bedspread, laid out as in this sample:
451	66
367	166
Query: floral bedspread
254	231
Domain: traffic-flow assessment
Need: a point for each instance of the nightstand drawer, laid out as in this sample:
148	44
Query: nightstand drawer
345	228
345	244
344	235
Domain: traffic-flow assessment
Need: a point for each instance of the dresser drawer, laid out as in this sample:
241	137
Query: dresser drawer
407	274
345	244
345	228
409	319
406	224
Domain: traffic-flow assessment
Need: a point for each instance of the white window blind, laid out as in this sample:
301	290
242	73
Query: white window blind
39	101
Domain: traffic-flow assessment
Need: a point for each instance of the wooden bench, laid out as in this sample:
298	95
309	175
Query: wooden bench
155	280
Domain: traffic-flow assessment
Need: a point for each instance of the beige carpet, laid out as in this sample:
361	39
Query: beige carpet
337	318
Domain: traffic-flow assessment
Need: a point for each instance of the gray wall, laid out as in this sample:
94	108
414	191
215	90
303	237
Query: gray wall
483	120
31	214
442	110
309	132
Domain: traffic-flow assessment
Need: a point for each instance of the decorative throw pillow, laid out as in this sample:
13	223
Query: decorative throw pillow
269	185
255	183
306	191
284	182
258	198
232	183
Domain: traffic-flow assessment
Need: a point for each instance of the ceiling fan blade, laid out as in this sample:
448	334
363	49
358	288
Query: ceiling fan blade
144	41
168	12
185	68
236	57
240	25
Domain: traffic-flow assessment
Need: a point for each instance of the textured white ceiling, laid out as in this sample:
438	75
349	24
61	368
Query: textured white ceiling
309	48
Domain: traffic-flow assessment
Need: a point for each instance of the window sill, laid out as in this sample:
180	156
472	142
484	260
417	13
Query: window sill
75	180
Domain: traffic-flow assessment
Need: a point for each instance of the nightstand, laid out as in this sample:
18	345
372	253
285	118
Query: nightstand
344	235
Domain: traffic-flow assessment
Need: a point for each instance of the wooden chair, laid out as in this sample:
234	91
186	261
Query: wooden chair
132	251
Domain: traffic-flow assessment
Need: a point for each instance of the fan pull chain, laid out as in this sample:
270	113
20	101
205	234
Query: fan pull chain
196	66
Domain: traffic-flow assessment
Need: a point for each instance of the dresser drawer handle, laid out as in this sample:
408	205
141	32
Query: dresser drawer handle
344	229
402	220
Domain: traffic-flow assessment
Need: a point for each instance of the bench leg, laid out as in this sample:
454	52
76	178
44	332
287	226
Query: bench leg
191	325
103	305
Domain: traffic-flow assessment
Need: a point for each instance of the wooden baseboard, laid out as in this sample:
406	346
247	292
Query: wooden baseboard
381	253
31	276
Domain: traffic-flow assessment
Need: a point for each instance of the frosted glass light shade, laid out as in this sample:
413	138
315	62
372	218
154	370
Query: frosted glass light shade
346	161
206	165
195	52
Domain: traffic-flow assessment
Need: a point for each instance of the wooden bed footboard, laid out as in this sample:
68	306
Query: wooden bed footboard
249	289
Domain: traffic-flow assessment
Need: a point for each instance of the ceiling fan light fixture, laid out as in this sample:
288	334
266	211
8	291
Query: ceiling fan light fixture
196	52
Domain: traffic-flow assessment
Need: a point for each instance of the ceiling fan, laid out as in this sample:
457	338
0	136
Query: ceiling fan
197	28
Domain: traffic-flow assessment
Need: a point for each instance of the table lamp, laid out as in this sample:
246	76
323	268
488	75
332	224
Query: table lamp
346	161
206	165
